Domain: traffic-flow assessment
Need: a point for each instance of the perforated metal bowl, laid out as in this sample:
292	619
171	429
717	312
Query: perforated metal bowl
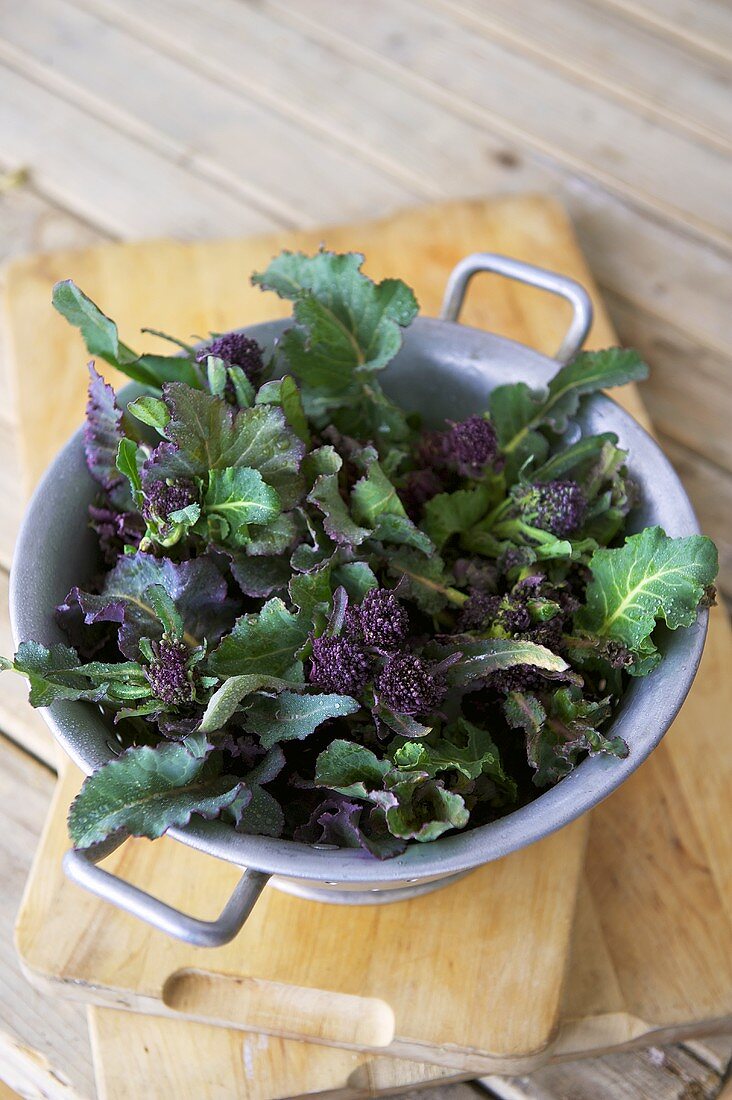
443	370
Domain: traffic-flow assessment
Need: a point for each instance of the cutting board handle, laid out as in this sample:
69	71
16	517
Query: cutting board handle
80	866
576	295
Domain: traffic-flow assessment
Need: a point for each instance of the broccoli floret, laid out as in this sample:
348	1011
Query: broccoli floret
238	350
163	497
381	620
470	446
409	685
558	507
339	664
167	674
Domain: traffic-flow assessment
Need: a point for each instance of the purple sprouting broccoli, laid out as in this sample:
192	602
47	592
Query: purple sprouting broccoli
478	612
168	673
380	620
419	487
558	507
470	446
482	611
238	350
467	449
163	497
518	678
407	684
339	664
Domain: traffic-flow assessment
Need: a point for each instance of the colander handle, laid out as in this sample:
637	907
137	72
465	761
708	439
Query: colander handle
80	867
576	295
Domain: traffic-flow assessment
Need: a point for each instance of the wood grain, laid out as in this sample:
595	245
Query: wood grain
44	1050
432	147
601	140
158	1058
596	46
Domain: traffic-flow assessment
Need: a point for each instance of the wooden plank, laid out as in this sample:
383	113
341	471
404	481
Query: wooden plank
655	1074
157	1058
576	126
244	148
111	180
688	394
420	142
44	1048
705	25
603	49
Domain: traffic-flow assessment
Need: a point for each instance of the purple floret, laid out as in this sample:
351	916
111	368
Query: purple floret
471	445
167	674
480	609
419	487
518	678
238	350
558	507
409	685
162	498
381	620
339	664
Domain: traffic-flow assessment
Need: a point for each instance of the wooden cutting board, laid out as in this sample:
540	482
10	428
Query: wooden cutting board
659	861
340	988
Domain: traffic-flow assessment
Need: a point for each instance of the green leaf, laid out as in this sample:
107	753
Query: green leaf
650	577
589	372
426	580
129	460
101	338
266	643
349	323
312	591
481	657
147	791
424	810
261	815
99	331
164	607
576	460
374	496
338	523
57	673
357	577
465	748
517	411
150	410
449	514
238	497
285	393
213	436
350	768
216	375
226	699
291	716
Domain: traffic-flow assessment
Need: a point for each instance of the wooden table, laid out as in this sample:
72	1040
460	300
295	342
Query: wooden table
125	119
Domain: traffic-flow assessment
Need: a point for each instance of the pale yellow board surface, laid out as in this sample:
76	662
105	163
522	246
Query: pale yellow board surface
610	1002
158	1058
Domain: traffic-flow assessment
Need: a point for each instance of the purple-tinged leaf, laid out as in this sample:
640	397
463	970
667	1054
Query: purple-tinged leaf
196	587
102	431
